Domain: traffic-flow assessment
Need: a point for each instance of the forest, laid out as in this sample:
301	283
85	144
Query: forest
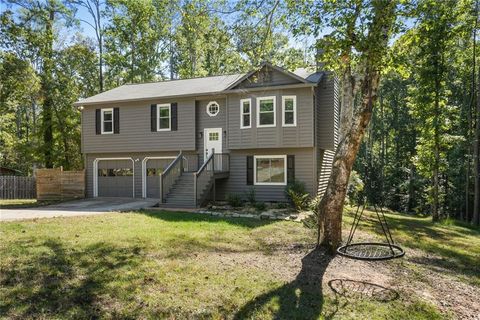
420	147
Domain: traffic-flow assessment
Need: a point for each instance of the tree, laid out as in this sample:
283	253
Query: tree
356	49
94	9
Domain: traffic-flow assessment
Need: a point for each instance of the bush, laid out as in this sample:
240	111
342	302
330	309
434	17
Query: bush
251	196
299	201
234	200
281	205
260	206
298	195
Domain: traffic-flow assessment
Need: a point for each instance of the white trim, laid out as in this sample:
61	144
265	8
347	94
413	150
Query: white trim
294	98
144	172
284	157
95	173
208	106
101	117
274	98
163	105
249	100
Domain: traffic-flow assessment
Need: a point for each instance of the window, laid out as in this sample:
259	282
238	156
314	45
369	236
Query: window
213	108
270	170
107	121
117	172
245	113
164	117
154	171
289	111
213	136
266	112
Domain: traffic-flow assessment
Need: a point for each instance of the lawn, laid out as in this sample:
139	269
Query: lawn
23	203
179	265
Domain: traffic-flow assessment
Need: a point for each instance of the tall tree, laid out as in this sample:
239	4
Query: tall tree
356	49
95	10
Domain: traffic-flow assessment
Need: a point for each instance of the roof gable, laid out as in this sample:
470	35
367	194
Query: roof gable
265	76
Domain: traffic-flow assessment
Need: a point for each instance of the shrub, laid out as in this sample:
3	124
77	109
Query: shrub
297	186
299	201
298	195
260	206
281	205
234	200
251	196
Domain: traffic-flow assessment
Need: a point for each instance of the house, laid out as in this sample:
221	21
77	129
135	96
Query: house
185	141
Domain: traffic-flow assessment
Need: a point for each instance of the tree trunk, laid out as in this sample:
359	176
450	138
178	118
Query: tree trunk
436	151
476	160
47	75
331	205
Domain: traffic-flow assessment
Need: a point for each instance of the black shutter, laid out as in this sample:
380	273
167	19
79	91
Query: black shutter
174	116
290	168
98	120
153	117
249	170
116	120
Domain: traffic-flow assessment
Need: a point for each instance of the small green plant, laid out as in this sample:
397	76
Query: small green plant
251	195
299	201
234	200
260	206
298	195
281	205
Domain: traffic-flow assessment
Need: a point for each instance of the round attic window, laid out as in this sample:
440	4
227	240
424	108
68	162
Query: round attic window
213	108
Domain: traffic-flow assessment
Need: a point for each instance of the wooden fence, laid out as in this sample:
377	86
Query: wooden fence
17	187
56	184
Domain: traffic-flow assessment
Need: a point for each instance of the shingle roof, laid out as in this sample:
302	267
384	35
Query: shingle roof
169	88
176	88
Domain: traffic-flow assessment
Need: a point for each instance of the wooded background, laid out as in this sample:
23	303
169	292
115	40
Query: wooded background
420	145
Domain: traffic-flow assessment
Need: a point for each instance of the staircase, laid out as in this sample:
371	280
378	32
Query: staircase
182	189
181	195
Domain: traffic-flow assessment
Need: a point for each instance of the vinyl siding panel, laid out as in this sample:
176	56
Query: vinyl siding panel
302	135
327	113
203	120
135	134
237	181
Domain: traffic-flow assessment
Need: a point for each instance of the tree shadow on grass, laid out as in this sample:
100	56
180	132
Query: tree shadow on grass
63	282
300	299
171	216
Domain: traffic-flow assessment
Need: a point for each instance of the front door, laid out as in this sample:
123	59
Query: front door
213	143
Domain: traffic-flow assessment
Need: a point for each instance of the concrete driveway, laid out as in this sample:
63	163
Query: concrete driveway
84	207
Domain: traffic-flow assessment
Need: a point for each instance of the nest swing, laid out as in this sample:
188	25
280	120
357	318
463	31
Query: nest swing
372	251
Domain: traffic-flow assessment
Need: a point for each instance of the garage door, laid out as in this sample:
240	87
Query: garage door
115	178
154	168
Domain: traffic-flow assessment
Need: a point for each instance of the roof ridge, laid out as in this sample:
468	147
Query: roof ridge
193	78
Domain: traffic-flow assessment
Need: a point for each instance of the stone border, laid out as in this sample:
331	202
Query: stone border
266	215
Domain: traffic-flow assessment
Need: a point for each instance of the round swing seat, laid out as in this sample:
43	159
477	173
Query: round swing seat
372	251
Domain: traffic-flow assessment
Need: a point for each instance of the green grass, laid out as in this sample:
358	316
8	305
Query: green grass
23	203
453	245
174	265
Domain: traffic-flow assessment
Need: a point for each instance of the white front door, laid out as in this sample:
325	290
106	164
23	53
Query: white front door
213	143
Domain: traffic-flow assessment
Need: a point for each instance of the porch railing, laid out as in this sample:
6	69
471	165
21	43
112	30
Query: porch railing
222	162
203	178
170	175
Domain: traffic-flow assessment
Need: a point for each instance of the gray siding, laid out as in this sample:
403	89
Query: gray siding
276	137
327	113
237	181
327	122
135	134
277	78
203	120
